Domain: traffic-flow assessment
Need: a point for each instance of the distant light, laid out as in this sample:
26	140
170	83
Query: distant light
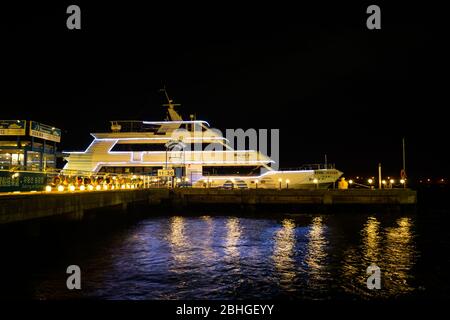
82	187
122	186
71	188
15	175
383	181
315	180
442	180
392	181
402	181
105	187
357	178
428	180
287	180
370	181
112	187
134	177
280	180
178	180
256	181
186	179
48	189
350	181
98	188
90	187
60	188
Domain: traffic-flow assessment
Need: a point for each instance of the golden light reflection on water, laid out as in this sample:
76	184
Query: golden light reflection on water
208	251
177	239
371	240
400	256
316	254
232	239
390	248
284	246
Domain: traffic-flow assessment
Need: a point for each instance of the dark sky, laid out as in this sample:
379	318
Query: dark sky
317	73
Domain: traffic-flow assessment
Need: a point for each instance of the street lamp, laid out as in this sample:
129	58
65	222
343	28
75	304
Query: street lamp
383	182
350	182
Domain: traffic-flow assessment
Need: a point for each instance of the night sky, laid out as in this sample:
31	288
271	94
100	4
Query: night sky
317	73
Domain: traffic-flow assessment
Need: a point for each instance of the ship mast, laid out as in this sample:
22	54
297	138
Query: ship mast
172	114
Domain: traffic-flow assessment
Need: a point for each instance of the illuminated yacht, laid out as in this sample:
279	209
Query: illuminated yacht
190	150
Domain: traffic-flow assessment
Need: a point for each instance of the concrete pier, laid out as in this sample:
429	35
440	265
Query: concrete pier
29	206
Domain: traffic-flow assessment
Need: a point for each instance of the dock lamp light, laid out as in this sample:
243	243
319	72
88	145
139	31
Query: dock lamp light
316	182
280	181
287	183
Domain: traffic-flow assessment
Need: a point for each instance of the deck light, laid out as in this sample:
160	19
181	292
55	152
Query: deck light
90	187
71	188
98	188
82	187
60	188
48	188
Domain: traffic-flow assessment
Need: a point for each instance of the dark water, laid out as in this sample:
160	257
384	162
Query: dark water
229	257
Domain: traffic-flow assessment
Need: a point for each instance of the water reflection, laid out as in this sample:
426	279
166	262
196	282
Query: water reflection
390	248
316	254
207	251
371	240
177	239
233	234
284	246
400	257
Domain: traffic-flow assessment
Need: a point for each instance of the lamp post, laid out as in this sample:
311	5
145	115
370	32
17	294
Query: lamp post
280	181
287	183
256	184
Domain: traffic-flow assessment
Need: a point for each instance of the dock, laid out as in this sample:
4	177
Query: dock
29	206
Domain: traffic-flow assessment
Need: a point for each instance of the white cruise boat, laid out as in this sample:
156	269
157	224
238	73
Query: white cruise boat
193	152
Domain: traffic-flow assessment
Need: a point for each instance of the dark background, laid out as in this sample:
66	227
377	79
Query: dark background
317	73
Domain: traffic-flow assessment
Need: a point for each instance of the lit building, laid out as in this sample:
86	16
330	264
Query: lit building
28	145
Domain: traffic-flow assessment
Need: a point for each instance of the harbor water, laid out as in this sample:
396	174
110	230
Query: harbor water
229	256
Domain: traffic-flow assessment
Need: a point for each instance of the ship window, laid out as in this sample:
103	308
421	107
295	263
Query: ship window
136	147
231	170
